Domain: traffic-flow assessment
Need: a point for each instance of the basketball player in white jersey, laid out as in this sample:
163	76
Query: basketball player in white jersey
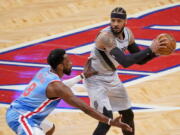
106	91
26	115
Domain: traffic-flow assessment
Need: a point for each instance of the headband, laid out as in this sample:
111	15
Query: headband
115	15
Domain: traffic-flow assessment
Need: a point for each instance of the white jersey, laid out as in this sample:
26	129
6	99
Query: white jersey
106	89
98	61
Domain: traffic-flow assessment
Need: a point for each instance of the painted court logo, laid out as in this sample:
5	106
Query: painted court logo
18	65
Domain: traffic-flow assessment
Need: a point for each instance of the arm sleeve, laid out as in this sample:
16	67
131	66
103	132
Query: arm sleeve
72	81
133	48
128	60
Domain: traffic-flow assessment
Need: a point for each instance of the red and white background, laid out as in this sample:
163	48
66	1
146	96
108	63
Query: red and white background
20	63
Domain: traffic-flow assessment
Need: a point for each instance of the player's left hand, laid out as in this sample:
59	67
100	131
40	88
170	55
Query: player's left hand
88	69
118	123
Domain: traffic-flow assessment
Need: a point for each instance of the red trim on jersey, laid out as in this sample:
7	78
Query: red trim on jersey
25	125
38	109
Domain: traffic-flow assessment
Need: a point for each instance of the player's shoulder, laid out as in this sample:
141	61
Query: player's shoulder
131	35
45	69
108	28
105	34
105	41
128	30
47	75
105	37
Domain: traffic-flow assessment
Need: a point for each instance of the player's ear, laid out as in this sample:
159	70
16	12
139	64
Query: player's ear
60	67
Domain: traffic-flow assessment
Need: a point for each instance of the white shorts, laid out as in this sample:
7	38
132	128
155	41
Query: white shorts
107	91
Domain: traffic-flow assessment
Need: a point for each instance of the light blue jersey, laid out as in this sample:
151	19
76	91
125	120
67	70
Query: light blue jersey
33	105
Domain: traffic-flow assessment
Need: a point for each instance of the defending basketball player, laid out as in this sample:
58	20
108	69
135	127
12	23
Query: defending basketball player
26	115
106	91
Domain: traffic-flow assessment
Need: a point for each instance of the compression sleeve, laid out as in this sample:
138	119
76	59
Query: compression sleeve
133	48
128	60
72	81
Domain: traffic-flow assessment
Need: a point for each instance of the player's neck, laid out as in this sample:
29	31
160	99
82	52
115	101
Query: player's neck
59	73
121	36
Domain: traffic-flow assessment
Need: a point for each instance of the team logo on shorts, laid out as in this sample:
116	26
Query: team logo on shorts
96	105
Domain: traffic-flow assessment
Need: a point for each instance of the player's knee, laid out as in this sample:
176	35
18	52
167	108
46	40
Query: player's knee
51	131
48	127
103	128
37	131
127	115
107	113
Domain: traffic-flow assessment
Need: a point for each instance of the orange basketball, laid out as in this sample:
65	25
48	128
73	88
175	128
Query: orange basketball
171	45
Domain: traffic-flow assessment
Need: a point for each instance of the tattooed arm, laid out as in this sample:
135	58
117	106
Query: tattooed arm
105	41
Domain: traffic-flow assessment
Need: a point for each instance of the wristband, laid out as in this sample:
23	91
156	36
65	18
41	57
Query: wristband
82	76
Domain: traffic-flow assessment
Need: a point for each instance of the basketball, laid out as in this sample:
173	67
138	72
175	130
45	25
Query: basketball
171	45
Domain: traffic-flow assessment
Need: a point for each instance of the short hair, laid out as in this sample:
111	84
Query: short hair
119	12
56	57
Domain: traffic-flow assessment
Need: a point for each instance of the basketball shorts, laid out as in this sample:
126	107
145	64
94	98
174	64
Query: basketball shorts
107	91
25	126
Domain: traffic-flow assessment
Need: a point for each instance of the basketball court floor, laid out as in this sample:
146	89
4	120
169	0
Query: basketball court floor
153	88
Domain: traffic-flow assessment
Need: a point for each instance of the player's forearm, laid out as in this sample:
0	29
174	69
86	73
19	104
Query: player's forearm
133	48
73	81
128	60
97	115
74	101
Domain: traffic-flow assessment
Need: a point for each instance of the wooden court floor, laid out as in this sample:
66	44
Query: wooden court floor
52	17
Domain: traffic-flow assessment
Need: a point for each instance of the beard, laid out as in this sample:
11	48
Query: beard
115	32
67	71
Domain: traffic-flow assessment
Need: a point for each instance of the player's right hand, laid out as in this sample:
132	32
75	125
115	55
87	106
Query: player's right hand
118	123
156	45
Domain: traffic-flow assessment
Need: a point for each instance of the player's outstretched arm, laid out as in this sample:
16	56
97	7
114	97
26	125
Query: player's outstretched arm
58	89
87	72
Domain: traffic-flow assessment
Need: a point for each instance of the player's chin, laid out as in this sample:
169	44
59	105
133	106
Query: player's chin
116	30
67	72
